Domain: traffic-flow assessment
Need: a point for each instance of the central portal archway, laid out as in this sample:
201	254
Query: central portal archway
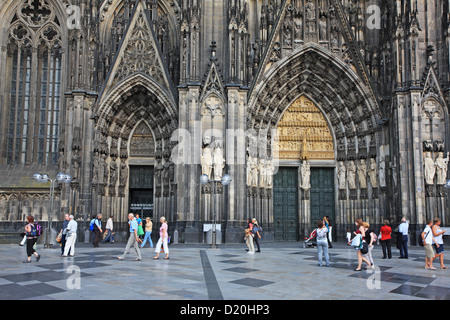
304	143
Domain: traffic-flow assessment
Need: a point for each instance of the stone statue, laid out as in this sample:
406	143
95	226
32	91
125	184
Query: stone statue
95	167
372	173
441	168
430	168
76	162
253	167
341	175
113	171
123	173
306	175
382	172
262	173
61	162
351	175
269	174
311	16
362	173
207	157
219	163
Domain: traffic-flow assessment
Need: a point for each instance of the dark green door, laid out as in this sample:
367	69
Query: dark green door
322	195
285	204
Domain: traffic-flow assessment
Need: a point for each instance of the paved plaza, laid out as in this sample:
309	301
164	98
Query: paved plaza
282	271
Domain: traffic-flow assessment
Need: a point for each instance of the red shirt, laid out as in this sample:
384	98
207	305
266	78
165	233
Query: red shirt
385	232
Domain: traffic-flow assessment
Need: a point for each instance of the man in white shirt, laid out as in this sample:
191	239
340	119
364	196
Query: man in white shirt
71	237
403	246
109	231
428	238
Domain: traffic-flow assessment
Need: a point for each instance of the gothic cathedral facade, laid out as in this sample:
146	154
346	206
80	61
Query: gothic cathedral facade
310	108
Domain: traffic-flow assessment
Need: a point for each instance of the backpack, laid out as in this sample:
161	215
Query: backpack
33	231
38	229
92	225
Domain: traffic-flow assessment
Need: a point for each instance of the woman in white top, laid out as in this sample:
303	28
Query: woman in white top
437	233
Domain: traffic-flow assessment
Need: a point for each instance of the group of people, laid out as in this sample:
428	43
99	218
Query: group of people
252	236
364	239
134	239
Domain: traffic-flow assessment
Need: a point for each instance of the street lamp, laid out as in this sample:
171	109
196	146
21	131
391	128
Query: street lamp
447	185
204	179
61	178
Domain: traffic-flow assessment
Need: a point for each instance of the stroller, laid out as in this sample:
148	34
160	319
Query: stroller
310	241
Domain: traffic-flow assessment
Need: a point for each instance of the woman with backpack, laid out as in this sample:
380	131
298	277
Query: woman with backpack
32	235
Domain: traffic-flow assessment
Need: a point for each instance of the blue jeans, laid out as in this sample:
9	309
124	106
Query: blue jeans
109	236
148	237
322	246
404	247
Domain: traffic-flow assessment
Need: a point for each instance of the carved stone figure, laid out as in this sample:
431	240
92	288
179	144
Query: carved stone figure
253	167
441	168
306	175
113	171
373	173
76	163
341	175
311	16
351	175
207	157
362	173
269	173
382	172
95	167
123	173
430	168
262	173
219	163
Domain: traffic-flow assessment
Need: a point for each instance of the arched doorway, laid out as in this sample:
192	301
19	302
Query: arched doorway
303	185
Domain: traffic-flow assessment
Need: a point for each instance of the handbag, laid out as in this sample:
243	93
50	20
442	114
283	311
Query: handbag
140	231
356	242
59	236
364	247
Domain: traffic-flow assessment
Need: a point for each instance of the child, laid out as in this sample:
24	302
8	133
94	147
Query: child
349	236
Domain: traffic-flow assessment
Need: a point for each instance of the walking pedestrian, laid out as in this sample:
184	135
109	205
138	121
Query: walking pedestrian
109	230
360	235
64	232
133	240
369	238
348	236
248	238
385	240
31	234
148	232
140	227
163	239
403	230
428	239
256	235
438	236
322	243
97	230
71	237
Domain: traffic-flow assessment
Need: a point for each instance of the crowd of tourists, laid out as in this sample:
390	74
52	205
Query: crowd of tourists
362	239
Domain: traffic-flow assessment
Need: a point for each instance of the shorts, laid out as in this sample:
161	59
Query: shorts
440	249
429	253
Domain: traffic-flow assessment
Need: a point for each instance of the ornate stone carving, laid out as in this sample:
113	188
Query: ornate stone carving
441	168
303	132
